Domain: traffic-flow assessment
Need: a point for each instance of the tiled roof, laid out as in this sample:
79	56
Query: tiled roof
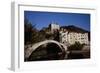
73	28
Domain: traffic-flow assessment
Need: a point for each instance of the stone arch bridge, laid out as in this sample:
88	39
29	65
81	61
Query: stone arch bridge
28	51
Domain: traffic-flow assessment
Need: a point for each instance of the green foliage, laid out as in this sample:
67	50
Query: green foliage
76	46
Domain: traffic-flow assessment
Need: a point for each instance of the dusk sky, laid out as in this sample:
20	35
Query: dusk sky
43	19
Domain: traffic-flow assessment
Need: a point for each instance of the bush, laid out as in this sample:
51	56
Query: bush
76	46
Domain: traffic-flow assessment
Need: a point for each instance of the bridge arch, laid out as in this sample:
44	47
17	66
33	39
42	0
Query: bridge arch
29	51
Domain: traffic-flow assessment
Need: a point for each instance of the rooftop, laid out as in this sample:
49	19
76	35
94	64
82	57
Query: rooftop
73	28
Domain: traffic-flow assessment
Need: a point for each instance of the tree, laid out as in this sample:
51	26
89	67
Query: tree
56	36
76	46
30	32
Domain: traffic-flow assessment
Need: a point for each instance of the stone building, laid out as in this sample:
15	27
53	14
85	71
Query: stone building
72	34
54	27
